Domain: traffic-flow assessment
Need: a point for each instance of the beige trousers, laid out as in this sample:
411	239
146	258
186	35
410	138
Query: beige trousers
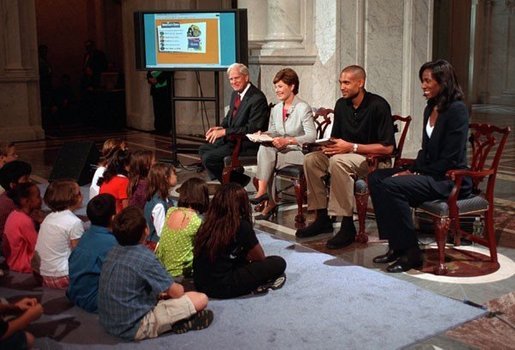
161	318
270	158
341	168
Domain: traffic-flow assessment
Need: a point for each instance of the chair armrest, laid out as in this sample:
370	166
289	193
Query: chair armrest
373	159
454	174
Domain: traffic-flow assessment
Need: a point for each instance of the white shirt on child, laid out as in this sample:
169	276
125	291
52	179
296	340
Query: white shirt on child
94	189
53	244
158	218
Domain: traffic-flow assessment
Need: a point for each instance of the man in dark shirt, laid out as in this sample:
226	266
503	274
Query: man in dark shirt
362	125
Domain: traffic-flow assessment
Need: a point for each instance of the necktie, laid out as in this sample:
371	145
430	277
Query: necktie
237	102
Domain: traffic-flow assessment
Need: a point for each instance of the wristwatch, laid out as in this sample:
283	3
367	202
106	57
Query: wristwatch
355	148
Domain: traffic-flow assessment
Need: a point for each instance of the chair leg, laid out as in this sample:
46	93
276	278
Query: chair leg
361	208
299	195
490	235
226	175
441	226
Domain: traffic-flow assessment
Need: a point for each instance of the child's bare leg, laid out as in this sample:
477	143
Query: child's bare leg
199	300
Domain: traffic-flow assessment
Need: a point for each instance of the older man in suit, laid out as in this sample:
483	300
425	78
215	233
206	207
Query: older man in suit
248	113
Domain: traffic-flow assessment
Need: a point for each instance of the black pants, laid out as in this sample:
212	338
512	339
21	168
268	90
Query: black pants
212	155
393	198
162	103
247	278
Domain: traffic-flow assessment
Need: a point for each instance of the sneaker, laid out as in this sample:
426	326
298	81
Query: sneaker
200	320
319	226
274	285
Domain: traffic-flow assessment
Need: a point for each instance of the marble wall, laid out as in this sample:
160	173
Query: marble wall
391	40
499	87
317	38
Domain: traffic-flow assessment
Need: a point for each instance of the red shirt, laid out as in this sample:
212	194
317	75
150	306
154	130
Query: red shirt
20	238
117	186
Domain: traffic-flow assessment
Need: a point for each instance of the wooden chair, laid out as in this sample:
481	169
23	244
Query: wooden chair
237	160
486	155
295	172
361	194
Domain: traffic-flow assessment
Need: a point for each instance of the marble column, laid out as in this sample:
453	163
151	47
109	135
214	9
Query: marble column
283	25
19	79
257	19
289	34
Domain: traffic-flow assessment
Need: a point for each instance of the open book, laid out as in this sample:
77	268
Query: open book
259	137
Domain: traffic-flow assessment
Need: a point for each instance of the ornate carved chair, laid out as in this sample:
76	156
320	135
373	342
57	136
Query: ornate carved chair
361	194
487	144
295	173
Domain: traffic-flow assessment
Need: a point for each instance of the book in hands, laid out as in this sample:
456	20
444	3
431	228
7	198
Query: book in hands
259	138
317	145
324	142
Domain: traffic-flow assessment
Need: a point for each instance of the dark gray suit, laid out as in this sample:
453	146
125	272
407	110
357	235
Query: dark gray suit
251	116
392	197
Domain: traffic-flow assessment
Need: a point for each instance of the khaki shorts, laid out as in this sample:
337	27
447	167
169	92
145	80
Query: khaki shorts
161	318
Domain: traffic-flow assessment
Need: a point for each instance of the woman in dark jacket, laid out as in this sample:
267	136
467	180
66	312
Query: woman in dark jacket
444	142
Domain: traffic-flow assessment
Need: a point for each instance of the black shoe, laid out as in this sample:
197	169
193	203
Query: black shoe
319	226
341	239
257	200
239	178
406	262
270	213
200	320
345	236
390	256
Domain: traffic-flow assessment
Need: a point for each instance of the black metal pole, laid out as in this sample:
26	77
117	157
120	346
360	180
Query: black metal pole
174	126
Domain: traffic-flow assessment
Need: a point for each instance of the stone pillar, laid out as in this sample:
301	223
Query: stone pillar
257	19
289	34
19	88
283	28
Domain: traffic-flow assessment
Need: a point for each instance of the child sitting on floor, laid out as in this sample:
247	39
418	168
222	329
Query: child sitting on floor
115	180
20	233
141	161
12	334
11	175
86	259
161	179
137	298
109	148
59	233
7	153
229	261
175	249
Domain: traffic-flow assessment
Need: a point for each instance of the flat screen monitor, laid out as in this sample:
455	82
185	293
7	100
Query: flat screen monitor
191	40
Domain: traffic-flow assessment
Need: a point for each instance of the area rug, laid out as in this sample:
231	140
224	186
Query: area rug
496	331
325	303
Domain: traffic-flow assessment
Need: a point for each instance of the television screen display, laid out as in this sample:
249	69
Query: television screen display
191	40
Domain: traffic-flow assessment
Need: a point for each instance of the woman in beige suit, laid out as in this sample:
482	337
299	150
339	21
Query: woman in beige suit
291	124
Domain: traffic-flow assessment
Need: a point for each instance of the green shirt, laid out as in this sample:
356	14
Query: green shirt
175	250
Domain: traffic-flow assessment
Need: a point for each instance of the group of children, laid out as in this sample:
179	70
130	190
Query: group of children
138	244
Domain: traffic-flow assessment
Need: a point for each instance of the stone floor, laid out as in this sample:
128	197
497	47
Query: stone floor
42	155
